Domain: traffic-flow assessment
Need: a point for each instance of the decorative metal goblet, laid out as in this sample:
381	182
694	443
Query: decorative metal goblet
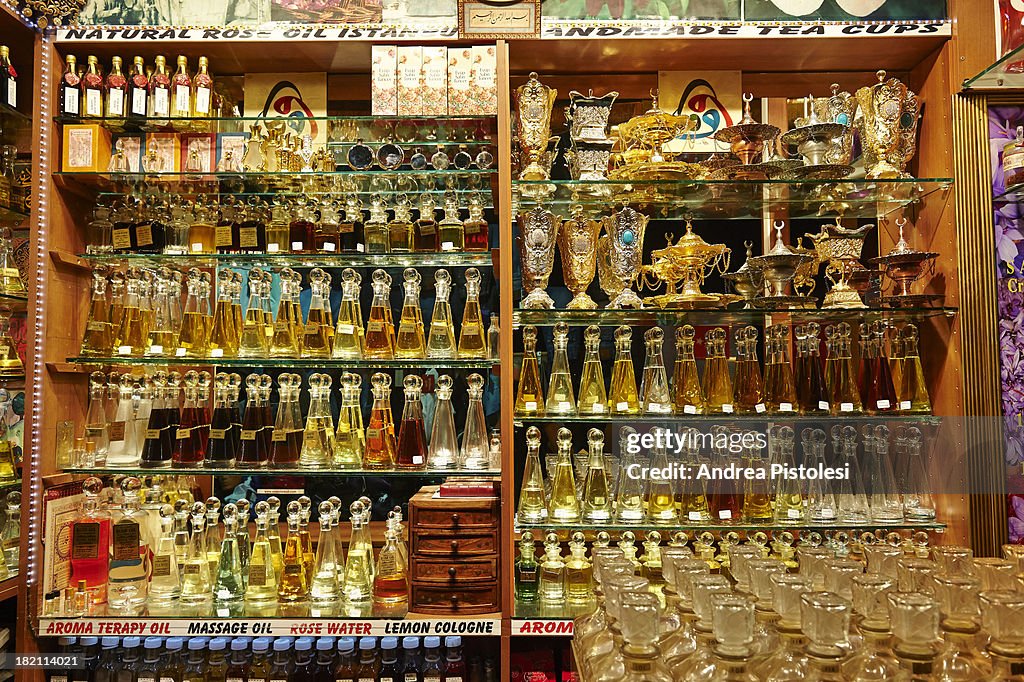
534	102
538	231
780	268
625	229
904	266
577	243
840	249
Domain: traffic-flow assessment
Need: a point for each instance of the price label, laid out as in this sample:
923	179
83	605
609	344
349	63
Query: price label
248	434
823	405
180	352
760	408
124	350
296	246
330	247
121	238
794	513
785	407
883	404
689	409
273	248
530	405
156	349
447	246
622	406
144	235
597	408
694	516
846	407
417	459
360	248
564	405
724	514
905	405
216	352
197	247
727	408
247	237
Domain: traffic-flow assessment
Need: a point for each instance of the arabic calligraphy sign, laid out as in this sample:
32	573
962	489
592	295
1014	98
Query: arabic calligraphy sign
712	96
517	19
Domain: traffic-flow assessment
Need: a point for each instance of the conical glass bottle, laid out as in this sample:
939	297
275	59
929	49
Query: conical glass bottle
881	393
918	504
96	427
274	536
560	400
292	585
214	537
318	437
224	337
655	397
350	437
629	498
532	505
287	439
443	452
812	391
228	586
660	493
194	336
163	335
622	396
99	331
845	397
780	393
358	585
348	332
564	507
123	452
132	335
593	398
306	538
412	440
165	581
472	336
789	499
913	391
390	580
316	336
410	342
552	572
850	497
254	340
693	503
375	229
441	339
885	502
261	586
597	500
757	500
687	394
475	452
195	573
749	387
380	330
529	394
380	438
717	383
821	501
325	588
285	343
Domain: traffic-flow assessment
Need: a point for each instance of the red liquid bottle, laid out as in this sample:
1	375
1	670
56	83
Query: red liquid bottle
817	390
882	390
223	441
90	543
475	226
726	498
454	663
302	231
412	439
252	452
189	448
286	441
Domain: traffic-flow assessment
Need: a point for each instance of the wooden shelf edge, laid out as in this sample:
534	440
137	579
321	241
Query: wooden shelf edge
69	260
67	367
9	588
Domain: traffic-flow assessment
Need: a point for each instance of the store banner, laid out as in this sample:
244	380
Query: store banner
287	102
712	98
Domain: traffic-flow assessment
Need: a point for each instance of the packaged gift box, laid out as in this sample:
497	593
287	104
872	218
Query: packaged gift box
199	152
434	89
460	70
384	80
85	148
410	71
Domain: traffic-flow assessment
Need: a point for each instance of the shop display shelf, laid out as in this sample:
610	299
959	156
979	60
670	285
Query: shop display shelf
732	199
855	419
702	318
809	526
287	363
9	588
443	259
9	113
1004	74
540	619
271	472
13	483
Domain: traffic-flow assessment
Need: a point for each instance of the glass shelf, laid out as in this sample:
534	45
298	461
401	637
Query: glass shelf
659	316
733	199
688	419
539	610
309	473
288	363
384	125
721	527
7	485
8	112
450	259
1004	74
1012	194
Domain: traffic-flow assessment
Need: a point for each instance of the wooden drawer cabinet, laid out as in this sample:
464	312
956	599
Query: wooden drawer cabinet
457	519
454	544
467	600
446	571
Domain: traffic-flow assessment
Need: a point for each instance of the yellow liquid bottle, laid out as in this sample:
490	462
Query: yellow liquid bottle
196	585
274	536
357	587
597	499
224	335
134	331
292	585
99	333
564	507
661	498
532	505
781	394
655	397
593	398
318	437
348	333
451	235
400	231
315	340
579	572
441	339
194	336
375	230
410	341
261	586
831	360
757	499
622	396
349	437
202	231
254	342
10	277
717	382
117	297
914	397
472	335
896	362
693	505
163	332
380	330
529	394
284	343
295	317
560	400
687	394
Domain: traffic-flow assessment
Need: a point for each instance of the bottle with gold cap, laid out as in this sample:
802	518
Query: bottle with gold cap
202	91
70	90
138	90
117	91
8	79
181	90
159	91
92	89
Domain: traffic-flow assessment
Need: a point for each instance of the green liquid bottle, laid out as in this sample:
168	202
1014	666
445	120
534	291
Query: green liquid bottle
526	570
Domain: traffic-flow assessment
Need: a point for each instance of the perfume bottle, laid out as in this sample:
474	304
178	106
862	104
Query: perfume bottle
410	342
350	228
918	503
228	586
451	235
196	581
194	336
96	426
789	499
191	437
687	394
532	505
563	507
129	568
629	498
913	392
390	580
292	585
380	438
693	504
845	397
261	586
90	542
425	237
252	451
561	399
286	440
749	389
214	538
529	394
475	451
812	393
821	501
274	537
441	339
660	493
597	500
622	396
886	505
717	384
254	341
287	328
880	396
443	452
181	83
593	398
349	437
780	392
552	572
358	583
163	333
579	572
375	230
316	337
412	440
380	329
475	227
70	89
92	89
472	339
757	499
318	438
915	627
851	500
655	397
302	229
165	581
526	570
325	588
348	333
400	229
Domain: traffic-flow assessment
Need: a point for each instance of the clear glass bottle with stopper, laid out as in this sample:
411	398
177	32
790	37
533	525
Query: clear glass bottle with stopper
579	572
529	394
128	575
451	235
261	586
441	339
350	437
410	342
165	581
316	342
375	230
526	570
597	501
325	588
655	397
622	396
196	583
292	585
561	399
228	585
717	384
472	336
564	507
532	505
687	394
552	572
348	332
475	451
318	436
358	585
443	452
412	440
380	330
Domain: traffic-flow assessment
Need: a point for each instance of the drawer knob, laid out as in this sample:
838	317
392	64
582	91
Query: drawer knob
455	546
455	600
451	571
455	519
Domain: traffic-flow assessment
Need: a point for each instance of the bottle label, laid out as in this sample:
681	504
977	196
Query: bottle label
528	575
296	246
121	238
367	679
161	101
115	103
794	513
86	543
694	516
222	235
760	408
292	569
312	328
905	405
202	100
257	575
126	541
785	407
166	679
375	326
162	566
182	434
883	404
152	434
144	235
330	247
727	408
432	678
279	436
93	103
247	237
622	405
411	677
372	434
12	92
823	405
724	514
139	101
218	434
192	569
280	326
115	432
248	434
346	329
426	229
1012	161
447	246
182	95
70	100
530	405
471	227
235	679
144	679
846	407
95	326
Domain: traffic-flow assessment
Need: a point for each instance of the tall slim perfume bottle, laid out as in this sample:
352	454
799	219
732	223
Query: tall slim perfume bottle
717	384
564	507
622	396
316	342
529	394
532	505
443	452
349	437
593	398
410	341
261	586
655	397
475	450
348	332
441	338
914	397
380	439
380	330
749	388
597	500
687	394
412	440
560	399
472	336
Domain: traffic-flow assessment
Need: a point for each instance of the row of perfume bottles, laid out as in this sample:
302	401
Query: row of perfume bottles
313	226
141	93
888	616
732	484
273	659
135	421
118	560
139	313
888	379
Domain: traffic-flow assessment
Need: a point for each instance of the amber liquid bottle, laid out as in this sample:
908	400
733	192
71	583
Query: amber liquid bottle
529	394
251	452
717	383
812	392
380	439
380	329
749	387
780	393
881	397
425	233
412	438
687	394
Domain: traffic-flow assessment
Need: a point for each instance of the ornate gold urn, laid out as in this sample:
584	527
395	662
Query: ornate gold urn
887	121
682	267
534	102
840	249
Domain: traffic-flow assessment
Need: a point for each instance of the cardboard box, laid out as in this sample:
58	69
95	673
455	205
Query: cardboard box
384	80
233	142
167	147
460	73
485	80
434	88
85	148
132	144
410	71
205	147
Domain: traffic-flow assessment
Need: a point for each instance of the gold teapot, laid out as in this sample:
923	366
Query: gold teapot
682	267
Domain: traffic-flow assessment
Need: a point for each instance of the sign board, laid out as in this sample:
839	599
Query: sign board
289	100
495	20
714	97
